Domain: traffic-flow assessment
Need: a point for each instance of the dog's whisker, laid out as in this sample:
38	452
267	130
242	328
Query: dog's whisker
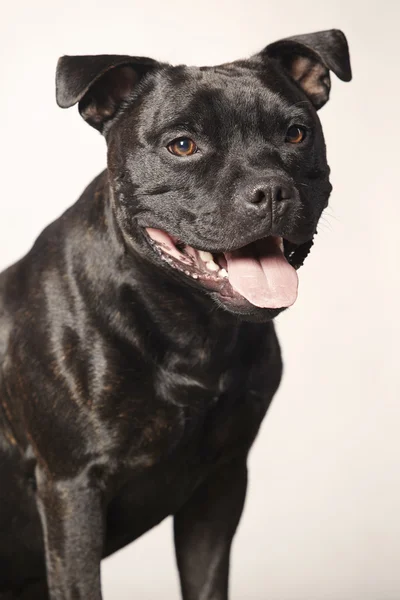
324	225
331	215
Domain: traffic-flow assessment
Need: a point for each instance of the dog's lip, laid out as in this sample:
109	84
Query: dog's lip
260	273
295	252
199	264
291	242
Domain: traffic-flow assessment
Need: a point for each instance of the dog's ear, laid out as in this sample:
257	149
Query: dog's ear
309	58
99	83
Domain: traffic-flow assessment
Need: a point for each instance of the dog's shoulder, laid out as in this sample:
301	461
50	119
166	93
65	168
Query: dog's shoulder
22	285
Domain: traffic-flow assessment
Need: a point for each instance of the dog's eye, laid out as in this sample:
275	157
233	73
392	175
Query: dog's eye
182	147
295	134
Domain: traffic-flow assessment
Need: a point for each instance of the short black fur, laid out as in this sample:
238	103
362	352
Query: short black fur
129	391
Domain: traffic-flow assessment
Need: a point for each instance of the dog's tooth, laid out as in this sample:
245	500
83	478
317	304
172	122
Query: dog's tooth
211	266
280	243
195	276
223	273
206	256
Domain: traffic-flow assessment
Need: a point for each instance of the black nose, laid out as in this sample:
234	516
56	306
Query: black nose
264	194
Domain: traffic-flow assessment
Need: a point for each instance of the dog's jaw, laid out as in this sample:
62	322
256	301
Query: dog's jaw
258	275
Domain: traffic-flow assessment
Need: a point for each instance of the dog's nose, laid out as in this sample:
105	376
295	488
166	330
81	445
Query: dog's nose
264	194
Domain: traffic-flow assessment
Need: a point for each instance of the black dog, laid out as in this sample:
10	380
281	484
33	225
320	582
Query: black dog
138	356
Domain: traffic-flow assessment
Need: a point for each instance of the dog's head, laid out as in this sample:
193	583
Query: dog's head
217	173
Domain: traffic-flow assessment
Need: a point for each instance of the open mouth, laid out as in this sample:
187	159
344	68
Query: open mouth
262	273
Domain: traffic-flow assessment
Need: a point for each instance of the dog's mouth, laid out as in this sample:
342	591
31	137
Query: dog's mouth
263	273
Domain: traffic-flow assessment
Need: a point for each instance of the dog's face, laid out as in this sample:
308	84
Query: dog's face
219	174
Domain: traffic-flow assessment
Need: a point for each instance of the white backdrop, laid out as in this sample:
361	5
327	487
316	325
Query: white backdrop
322	515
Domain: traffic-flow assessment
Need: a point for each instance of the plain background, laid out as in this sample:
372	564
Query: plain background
322	515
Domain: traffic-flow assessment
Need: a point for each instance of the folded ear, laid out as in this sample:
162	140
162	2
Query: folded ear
309	58
99	83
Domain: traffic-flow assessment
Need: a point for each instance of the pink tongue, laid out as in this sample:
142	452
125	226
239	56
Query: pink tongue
261	273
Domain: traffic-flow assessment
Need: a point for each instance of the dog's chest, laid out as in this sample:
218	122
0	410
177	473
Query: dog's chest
181	412
178	454
198	402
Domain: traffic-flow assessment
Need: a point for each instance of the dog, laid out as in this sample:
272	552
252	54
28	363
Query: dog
137	347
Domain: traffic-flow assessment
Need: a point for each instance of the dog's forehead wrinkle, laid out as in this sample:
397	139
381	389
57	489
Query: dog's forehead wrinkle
221	111
177	87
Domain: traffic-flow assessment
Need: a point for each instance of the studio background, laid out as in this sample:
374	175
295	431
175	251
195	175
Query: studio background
321	520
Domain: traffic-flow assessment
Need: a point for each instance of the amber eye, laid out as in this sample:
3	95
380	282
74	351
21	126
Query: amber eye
182	147
295	134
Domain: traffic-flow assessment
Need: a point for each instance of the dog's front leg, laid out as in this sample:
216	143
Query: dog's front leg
73	529
204	529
